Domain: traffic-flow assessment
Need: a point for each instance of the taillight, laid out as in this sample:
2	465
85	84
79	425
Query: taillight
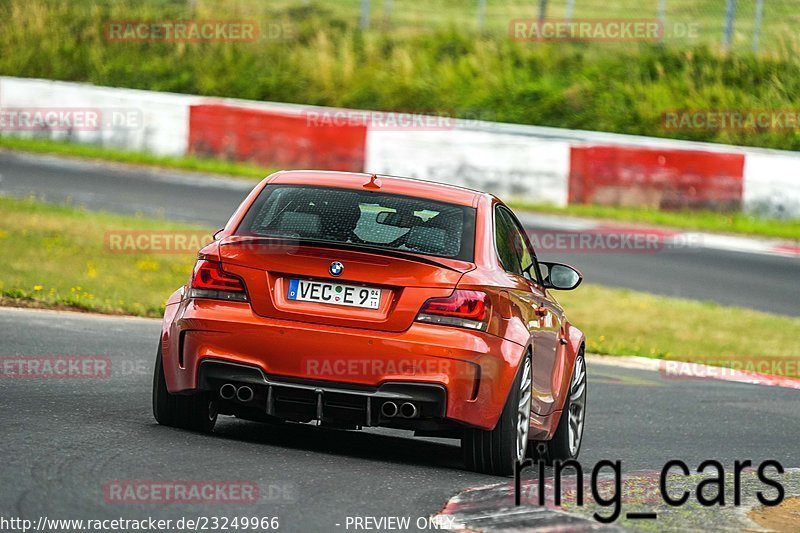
210	281
464	309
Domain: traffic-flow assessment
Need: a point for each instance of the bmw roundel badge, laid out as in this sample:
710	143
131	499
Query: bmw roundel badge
336	268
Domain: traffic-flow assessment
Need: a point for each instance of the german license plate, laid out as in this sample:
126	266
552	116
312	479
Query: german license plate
334	293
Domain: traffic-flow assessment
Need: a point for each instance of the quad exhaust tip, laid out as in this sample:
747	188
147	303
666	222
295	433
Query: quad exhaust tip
244	394
404	410
408	410
389	409
229	391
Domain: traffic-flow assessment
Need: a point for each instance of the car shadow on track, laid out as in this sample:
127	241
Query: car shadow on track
362	444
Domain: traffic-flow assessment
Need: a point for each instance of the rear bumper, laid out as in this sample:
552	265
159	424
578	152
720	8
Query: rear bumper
306	400
472	370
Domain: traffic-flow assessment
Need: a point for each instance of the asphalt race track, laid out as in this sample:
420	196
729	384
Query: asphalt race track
767	283
64	440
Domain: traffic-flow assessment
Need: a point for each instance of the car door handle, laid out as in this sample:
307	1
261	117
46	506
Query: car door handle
562	340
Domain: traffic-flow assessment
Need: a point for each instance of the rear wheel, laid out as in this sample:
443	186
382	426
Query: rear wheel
496	451
566	442
195	412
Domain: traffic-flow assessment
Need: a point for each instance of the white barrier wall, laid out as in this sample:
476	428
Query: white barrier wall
144	121
510	166
510	160
772	184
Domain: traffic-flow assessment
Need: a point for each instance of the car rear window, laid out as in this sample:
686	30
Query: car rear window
362	218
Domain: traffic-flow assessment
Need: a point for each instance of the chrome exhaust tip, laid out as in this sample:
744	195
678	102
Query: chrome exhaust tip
227	391
389	409
244	394
408	410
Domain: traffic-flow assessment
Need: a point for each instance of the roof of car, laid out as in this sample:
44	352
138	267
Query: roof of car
389	184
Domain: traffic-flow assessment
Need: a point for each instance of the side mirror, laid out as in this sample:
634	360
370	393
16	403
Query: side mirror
216	234
559	276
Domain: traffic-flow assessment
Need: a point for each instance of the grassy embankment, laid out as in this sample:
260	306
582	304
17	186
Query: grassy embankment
434	62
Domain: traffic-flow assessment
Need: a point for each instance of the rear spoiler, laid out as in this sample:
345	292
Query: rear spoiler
235	240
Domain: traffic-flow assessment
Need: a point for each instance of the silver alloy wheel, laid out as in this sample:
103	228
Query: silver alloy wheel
577	405
524	409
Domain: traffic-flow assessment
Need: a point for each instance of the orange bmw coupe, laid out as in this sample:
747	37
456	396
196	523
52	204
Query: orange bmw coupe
355	300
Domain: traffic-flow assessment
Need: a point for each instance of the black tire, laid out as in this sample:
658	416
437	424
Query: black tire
195	412
558	448
494	451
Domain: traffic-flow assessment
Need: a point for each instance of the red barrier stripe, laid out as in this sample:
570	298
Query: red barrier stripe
787	249
275	139
661	179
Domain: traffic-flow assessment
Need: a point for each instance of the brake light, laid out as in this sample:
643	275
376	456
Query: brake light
465	309
210	281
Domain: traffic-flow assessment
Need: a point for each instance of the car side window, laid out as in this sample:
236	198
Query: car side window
520	246
526	258
506	237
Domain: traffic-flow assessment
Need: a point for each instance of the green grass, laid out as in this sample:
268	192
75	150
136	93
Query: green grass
56	256
706	17
430	60
89	151
712	221
625	322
